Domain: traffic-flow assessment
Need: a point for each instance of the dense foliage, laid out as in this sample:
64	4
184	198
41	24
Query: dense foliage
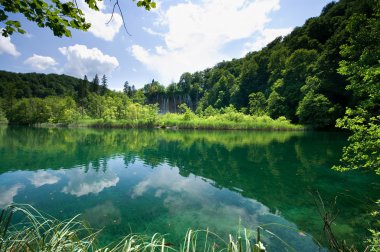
309	76
361	66
293	76
59	16
19	85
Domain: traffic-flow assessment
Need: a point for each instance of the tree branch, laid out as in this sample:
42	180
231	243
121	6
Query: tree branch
121	14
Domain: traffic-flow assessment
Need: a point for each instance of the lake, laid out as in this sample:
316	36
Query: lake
167	181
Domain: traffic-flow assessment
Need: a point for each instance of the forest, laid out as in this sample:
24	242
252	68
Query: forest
308	77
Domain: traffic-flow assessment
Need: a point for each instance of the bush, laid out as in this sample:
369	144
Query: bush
315	110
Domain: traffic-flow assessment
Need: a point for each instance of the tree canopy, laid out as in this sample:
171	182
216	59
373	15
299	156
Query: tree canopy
361	65
57	15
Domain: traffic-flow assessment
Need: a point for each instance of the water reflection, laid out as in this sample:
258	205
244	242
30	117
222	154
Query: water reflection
40	178
102	215
167	181
7	194
82	182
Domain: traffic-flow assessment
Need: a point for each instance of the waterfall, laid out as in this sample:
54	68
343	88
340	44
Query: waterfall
175	107
167	109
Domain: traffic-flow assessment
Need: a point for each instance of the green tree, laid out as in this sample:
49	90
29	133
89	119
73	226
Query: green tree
277	61
104	86
29	111
361	65
248	80
2	113
219	95
186	111
363	151
312	85
9	97
210	111
95	105
139	97
298	66
95	84
83	89
62	110
276	105
315	110
59	16
27	85
184	84
127	89
257	104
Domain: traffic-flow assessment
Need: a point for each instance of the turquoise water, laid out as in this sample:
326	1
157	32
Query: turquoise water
142	181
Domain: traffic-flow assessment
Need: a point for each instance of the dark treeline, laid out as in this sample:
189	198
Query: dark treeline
38	98
28	85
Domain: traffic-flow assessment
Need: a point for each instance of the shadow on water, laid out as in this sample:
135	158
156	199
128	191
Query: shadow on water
166	181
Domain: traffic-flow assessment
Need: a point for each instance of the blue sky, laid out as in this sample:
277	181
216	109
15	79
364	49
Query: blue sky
177	37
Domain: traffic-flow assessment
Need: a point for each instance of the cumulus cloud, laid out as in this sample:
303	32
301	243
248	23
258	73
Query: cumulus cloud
197	202
87	61
163	180
7	194
99	21
41	178
266	36
40	63
197	32
83	183
185	196
6	46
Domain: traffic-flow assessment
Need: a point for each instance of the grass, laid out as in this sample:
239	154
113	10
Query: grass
236	121
40	232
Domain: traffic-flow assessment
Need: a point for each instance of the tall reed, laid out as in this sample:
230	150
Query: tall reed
40	232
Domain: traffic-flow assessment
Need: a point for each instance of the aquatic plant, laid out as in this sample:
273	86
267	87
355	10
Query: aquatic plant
40	232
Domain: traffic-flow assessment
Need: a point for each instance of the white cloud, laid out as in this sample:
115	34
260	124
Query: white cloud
152	32
197	33
7	195
41	178
6	46
40	63
266	36
99	21
83	183
87	61
180	194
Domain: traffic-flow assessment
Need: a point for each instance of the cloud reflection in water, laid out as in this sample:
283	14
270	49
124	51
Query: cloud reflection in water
7	194
40	178
82	183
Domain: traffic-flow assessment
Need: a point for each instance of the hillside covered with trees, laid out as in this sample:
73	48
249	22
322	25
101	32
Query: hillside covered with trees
304	76
299	76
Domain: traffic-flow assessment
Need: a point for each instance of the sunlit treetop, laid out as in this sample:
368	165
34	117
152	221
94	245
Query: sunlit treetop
57	15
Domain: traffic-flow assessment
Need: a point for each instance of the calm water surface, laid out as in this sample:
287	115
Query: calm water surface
168	181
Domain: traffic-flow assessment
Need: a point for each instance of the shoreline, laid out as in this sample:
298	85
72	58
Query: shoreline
178	125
